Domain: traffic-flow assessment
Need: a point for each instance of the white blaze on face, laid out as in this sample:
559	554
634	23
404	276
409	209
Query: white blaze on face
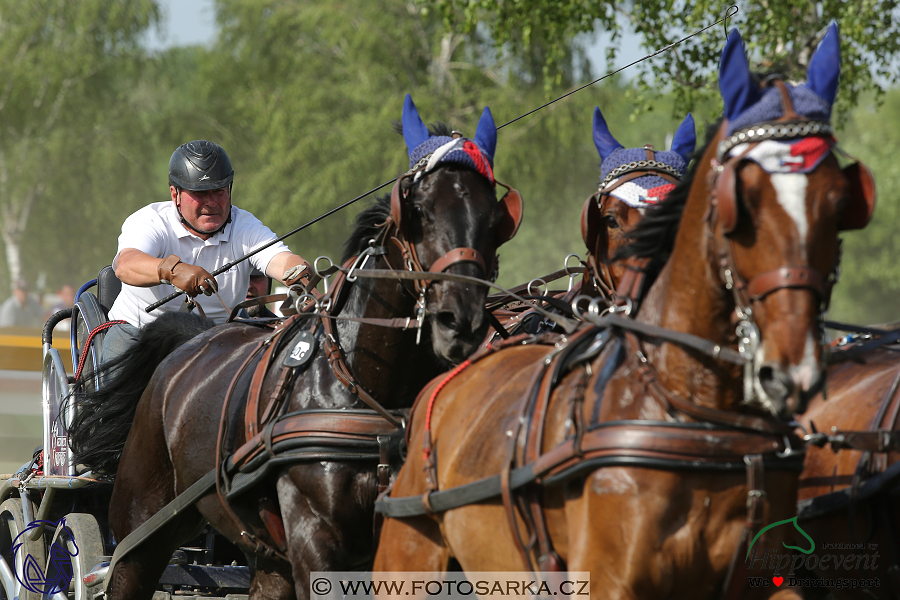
791	191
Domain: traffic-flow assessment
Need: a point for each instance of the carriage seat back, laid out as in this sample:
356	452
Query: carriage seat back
108	287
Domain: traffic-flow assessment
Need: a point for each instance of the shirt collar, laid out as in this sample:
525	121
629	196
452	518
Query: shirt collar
182	232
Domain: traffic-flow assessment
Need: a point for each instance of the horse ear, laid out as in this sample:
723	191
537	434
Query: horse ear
825	66
486	133
414	130
739	91
685	138
603	139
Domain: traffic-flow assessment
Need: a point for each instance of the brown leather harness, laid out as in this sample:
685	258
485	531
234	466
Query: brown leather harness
720	440
322	434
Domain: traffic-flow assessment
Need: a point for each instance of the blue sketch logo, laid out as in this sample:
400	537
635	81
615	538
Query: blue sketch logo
59	563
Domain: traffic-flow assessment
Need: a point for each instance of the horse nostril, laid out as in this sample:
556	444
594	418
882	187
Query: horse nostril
776	382
448	320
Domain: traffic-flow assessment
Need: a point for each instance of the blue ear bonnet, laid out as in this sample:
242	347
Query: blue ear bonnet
477	154
613	155
427	147
623	156
768	108
747	104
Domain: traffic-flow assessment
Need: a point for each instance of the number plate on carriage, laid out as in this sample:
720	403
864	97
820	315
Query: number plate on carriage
303	350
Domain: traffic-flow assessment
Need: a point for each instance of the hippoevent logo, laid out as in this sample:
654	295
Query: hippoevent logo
825	564
57	573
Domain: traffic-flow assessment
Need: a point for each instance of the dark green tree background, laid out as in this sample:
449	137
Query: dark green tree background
304	95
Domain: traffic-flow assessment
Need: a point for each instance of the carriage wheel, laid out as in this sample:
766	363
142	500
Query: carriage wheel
82	535
12	523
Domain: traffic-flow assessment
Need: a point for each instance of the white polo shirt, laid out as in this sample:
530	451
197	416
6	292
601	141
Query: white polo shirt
157	230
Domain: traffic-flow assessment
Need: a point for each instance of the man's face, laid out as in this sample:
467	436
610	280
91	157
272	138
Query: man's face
259	286
206	211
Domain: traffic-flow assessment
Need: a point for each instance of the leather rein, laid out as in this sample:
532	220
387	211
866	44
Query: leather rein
269	433
732	441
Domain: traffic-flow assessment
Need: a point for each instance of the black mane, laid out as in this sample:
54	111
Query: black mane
368	225
654	236
438	128
368	222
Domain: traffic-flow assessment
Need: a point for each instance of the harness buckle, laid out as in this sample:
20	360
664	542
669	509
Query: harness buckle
420	316
788	449
729	279
359	263
571	274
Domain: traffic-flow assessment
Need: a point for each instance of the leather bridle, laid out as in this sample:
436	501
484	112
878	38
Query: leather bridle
594	232
511	207
724	210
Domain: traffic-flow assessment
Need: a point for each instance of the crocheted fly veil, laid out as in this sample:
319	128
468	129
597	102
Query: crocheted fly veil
638	177
786	128
428	152
618	162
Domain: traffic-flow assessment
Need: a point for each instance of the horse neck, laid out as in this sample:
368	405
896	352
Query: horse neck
386	361
688	296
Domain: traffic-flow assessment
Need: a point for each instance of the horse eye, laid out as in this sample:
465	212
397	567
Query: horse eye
418	210
611	222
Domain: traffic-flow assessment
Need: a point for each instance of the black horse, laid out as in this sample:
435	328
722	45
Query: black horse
315	514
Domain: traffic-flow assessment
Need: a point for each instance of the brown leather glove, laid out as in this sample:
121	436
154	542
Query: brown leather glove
298	274
190	279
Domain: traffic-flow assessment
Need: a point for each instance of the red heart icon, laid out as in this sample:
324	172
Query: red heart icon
777	581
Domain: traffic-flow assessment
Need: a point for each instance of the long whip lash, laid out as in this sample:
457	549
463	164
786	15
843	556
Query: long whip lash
222	269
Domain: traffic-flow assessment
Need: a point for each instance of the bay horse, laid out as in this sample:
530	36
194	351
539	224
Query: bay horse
631	180
310	507
696	452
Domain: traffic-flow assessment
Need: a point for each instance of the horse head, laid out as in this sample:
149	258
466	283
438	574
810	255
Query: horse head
778	199
632	179
446	212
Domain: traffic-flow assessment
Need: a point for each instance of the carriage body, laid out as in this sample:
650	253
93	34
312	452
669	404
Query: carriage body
52	504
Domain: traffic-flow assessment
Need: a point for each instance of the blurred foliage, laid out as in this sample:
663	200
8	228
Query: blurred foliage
64	146
870	269
304	96
780	36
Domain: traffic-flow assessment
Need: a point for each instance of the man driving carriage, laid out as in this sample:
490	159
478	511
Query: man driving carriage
169	246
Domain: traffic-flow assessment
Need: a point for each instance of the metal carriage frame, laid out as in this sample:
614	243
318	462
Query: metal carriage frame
52	507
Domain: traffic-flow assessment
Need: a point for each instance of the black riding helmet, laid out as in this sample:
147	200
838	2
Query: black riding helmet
200	165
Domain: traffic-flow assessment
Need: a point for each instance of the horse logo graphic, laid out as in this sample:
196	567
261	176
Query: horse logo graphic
812	544
58	572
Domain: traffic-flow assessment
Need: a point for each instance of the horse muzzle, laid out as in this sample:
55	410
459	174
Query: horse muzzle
786	391
456	334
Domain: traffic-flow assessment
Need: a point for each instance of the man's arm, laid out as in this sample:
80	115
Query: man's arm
281	263
137	268
142	270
